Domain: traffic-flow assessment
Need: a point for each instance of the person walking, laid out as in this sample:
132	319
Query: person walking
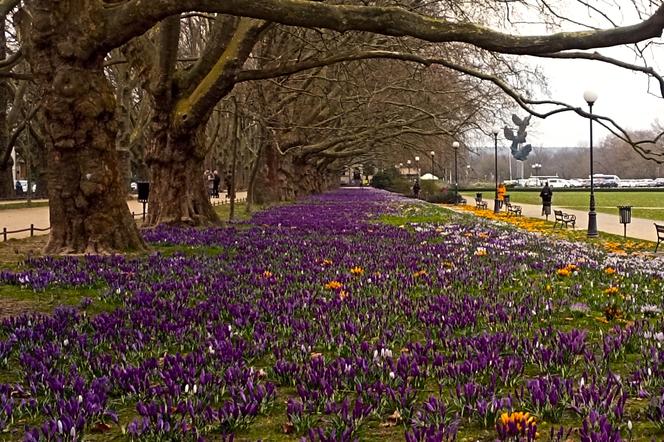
502	190
216	180
547	195
228	181
416	189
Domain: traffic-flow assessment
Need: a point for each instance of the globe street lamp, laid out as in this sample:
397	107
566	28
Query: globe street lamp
536	168
590	98
417	163
496	203
455	146
408	163
432	153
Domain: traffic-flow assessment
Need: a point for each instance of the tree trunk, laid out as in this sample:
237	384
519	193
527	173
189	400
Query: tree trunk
178	192
284	178
87	204
7	189
271	183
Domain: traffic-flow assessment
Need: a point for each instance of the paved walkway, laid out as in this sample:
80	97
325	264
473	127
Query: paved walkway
19	219
639	227
7	202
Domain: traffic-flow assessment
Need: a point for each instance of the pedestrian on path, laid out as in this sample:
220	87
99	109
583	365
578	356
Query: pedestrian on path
416	189
547	195
502	190
216	181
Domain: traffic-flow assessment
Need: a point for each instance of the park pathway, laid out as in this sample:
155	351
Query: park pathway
18	219
639	228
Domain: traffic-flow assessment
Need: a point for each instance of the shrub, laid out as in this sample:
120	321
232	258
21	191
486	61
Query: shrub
392	181
444	196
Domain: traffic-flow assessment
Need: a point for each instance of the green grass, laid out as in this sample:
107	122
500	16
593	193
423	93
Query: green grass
418	213
240	214
23	205
648	205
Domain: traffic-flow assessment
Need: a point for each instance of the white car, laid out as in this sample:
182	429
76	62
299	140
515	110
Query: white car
558	183
24	186
133	185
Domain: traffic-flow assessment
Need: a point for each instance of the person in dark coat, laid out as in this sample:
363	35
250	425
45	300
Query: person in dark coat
216	180
547	195
228	181
18	188
416	189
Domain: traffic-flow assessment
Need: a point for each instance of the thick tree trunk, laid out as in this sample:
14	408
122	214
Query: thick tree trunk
284	178
88	209
271	182
7	189
178	192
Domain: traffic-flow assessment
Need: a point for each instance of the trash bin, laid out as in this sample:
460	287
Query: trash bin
478	195
625	213
143	188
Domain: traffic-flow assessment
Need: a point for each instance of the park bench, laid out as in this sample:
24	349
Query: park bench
564	219
479	204
512	209
660	235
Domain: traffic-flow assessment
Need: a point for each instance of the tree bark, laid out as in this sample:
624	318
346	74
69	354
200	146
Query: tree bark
178	192
286	177
7	188
87	205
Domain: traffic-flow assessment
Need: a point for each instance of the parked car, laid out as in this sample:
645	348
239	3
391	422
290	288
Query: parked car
603	180
558	183
133	186
24	185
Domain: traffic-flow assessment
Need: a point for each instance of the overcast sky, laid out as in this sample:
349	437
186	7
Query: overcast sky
623	94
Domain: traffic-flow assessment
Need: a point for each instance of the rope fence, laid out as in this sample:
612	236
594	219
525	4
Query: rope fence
32	229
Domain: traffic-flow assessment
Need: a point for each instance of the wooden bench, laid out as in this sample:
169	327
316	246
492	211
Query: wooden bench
512	209
564	219
660	235
479	204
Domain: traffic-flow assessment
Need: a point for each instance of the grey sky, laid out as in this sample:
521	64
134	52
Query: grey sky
623	94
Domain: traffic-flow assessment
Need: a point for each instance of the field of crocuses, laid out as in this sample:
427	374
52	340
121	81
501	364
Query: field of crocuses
354	315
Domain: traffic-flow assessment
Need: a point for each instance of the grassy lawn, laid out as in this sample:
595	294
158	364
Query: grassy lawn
23	205
648	205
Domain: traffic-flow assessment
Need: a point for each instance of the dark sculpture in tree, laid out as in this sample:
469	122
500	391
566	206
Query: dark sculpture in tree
519	152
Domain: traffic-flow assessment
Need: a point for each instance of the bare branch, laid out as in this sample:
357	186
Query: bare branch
135	17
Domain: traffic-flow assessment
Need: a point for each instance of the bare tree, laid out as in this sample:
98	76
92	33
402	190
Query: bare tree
66	43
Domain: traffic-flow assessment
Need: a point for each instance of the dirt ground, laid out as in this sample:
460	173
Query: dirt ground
15	251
